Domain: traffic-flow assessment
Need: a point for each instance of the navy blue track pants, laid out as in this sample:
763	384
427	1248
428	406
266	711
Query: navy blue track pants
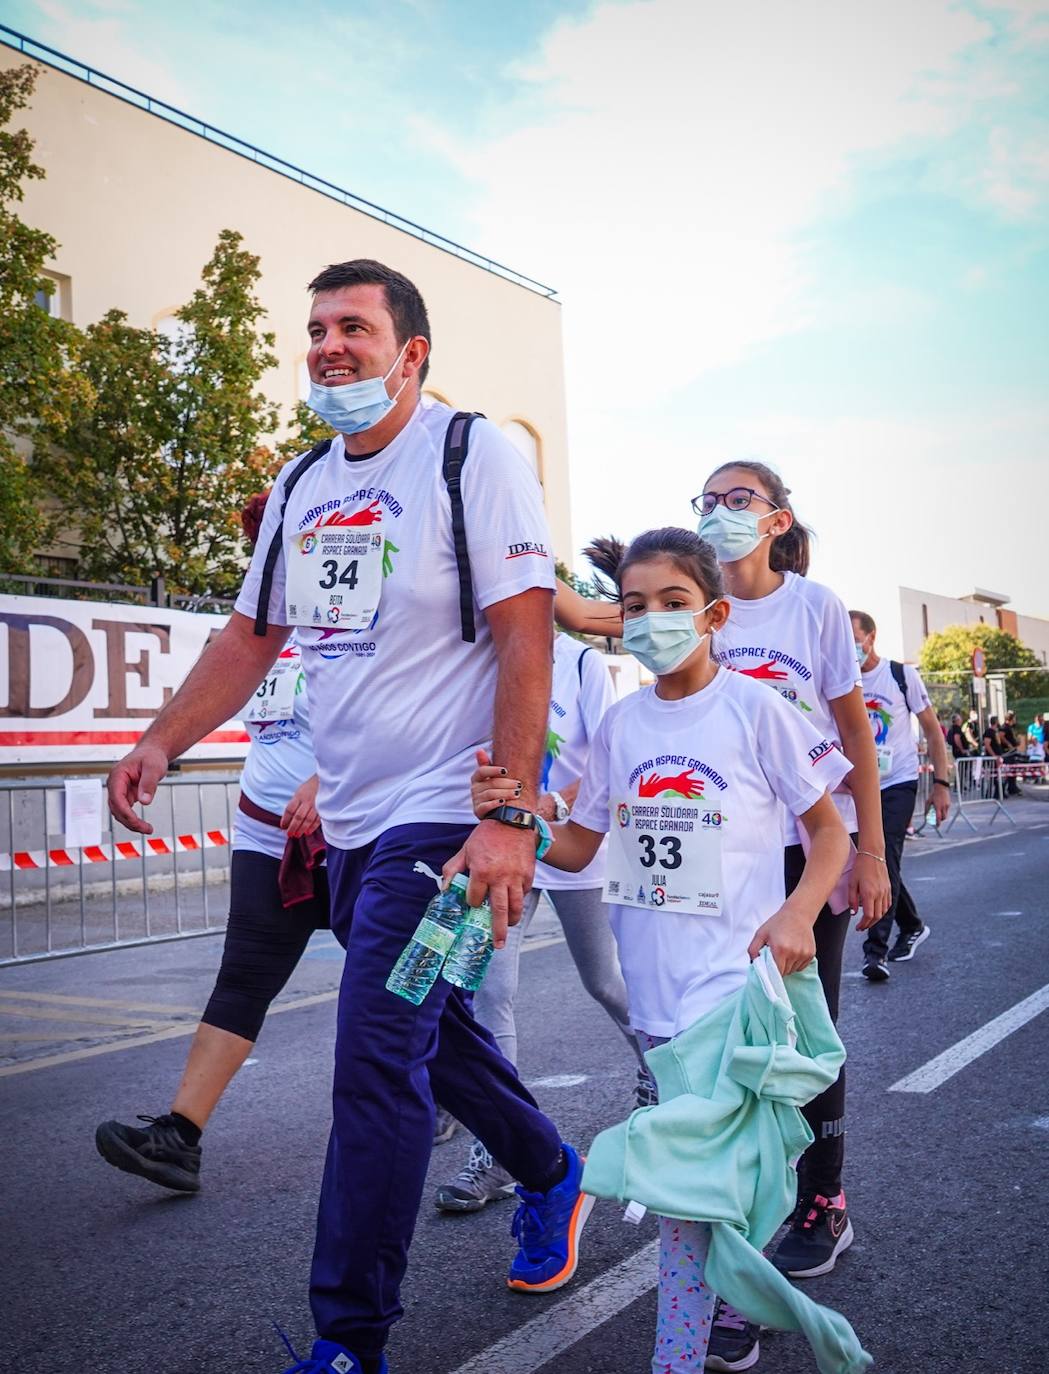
392	1060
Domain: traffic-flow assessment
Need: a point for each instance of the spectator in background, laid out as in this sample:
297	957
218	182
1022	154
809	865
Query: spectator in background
972	732
1036	739
1009	733
996	743
1015	749
959	745
991	740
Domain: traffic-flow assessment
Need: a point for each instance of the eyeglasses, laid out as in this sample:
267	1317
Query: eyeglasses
739	498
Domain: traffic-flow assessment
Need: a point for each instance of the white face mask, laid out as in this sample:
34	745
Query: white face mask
732	533
356	406
663	640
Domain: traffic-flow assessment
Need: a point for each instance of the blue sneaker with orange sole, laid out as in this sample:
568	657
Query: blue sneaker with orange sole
327	1357
547	1227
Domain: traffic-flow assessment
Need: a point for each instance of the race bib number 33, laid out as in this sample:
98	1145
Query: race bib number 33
665	855
334	576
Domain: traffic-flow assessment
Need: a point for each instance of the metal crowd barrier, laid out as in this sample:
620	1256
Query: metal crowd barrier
130	889
978	782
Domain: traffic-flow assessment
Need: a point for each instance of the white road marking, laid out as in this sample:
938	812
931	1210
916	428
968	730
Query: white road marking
947	846
937	1071
61	999
581	1311
1006	913
560	1080
173	1032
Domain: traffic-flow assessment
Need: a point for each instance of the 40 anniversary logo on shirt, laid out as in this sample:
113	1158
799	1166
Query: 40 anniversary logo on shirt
665	846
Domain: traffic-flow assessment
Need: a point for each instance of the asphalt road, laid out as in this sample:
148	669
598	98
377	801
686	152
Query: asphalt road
947	1188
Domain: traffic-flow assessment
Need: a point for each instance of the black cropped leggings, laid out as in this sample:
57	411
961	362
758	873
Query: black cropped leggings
264	942
820	1167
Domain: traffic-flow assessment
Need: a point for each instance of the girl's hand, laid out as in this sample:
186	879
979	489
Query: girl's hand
789	936
300	815
869	888
490	787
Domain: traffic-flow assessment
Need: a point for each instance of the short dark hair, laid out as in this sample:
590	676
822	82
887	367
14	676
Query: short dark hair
403	298
866	622
790	552
692	555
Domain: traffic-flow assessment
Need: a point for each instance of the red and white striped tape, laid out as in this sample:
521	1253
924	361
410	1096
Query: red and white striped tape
149	846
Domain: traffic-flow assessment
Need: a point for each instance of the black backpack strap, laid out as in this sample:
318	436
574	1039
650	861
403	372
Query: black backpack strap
900	679
262	610
456	443
579	661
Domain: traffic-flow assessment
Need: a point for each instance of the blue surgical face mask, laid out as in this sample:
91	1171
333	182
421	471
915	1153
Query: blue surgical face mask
663	640
356	406
861	655
732	533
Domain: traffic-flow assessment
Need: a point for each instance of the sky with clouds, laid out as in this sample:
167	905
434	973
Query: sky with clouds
810	231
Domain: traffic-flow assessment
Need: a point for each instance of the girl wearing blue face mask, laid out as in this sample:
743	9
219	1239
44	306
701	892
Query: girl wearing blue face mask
690	779
794	635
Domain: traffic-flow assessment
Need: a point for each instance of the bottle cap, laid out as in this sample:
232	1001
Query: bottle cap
460	882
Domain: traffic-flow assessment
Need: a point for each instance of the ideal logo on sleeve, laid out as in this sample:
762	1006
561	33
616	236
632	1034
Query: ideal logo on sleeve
821	751
525	550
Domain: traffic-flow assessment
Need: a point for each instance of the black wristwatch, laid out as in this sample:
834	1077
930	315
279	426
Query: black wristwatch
941	782
515	816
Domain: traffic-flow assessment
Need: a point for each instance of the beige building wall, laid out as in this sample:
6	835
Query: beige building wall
137	204
925	613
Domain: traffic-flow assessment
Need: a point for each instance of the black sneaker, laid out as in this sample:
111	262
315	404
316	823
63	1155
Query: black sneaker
876	970
733	1340
820	1230
905	946
158	1153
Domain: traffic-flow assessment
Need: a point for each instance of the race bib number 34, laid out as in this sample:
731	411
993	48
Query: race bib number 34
665	855
334	576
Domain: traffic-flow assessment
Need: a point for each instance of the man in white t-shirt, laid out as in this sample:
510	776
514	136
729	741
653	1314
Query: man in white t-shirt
422	599
893	692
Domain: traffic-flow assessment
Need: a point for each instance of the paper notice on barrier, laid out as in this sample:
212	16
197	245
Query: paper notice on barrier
83	812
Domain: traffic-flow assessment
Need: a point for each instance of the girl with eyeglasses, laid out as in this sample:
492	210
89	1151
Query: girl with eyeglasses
795	636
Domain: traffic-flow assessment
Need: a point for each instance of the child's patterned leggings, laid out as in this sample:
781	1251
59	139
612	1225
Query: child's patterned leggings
686	1304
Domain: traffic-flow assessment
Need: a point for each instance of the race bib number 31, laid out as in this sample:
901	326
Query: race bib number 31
334	575
665	855
275	697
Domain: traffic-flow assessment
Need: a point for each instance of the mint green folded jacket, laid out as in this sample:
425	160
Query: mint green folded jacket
722	1144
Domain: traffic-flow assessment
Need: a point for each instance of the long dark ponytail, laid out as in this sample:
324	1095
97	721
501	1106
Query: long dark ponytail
790	552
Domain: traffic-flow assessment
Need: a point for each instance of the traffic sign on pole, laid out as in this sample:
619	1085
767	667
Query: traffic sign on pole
979	663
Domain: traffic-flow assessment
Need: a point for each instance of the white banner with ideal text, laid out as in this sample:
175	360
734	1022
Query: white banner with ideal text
81	680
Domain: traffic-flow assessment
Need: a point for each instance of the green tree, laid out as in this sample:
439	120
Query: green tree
305	432
584	586
950	652
155	473
37	386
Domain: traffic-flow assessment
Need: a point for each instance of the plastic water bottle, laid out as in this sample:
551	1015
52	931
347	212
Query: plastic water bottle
415	972
473	949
